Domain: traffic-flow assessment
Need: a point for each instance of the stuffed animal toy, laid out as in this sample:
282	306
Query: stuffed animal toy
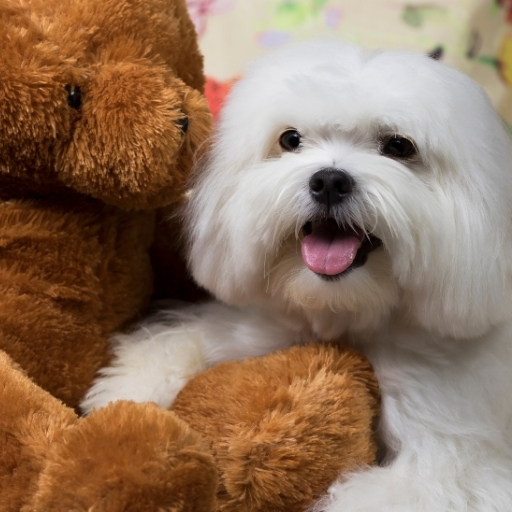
268	434
101	112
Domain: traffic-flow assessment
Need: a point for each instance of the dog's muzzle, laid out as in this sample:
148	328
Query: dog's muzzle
328	249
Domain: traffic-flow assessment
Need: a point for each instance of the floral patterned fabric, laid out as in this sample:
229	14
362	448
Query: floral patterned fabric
474	36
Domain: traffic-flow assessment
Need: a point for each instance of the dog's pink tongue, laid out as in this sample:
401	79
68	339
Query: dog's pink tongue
329	250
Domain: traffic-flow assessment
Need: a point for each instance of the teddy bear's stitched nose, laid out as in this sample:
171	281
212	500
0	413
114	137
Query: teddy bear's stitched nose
330	186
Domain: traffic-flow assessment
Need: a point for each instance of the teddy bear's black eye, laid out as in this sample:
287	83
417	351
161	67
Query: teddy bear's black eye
290	140
74	96
398	147
183	124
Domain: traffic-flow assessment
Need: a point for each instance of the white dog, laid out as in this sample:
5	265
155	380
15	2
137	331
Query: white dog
369	198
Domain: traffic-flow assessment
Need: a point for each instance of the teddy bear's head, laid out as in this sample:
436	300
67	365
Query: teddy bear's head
102	97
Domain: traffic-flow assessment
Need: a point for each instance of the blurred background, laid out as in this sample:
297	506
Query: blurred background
474	36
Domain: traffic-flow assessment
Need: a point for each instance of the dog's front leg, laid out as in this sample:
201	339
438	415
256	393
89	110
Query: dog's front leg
476	482
444	429
155	361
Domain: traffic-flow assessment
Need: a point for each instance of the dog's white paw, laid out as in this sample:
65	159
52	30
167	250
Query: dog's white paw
151	364
374	490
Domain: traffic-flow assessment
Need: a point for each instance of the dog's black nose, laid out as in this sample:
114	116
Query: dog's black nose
330	186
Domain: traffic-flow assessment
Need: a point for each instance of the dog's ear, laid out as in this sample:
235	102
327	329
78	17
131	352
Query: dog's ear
219	232
462	283
208	224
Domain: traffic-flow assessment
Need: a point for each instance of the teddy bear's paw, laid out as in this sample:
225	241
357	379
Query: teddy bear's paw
128	457
286	424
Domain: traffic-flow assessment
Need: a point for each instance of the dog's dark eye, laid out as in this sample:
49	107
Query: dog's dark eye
74	96
398	147
290	140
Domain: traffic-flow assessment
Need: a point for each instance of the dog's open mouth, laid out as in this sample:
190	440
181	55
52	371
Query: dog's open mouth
332	251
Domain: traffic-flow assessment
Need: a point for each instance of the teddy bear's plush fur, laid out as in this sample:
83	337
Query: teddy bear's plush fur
93	101
101	112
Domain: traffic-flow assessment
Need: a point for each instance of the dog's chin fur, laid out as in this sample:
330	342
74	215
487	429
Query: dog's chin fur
361	299
444	217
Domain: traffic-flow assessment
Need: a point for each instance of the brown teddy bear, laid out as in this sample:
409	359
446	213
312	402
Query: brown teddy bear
100	114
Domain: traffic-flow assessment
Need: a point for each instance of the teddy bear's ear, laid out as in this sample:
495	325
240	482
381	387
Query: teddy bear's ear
135	136
162	29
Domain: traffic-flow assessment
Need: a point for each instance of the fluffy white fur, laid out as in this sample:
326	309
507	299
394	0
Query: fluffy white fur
431	308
